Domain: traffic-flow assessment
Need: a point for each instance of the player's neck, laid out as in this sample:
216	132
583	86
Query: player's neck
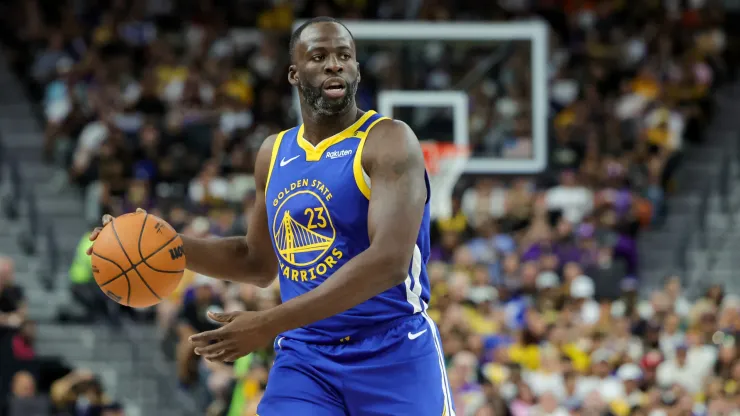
317	127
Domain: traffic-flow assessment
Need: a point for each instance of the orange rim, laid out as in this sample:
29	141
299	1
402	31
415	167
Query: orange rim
435	151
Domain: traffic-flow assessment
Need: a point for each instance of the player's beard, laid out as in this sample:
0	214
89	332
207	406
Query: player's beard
314	97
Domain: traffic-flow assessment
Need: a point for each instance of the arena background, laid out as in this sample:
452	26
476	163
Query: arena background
585	158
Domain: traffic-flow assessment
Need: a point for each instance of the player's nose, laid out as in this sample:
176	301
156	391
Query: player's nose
333	66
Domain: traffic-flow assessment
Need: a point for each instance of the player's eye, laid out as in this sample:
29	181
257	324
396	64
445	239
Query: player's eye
346	56
317	58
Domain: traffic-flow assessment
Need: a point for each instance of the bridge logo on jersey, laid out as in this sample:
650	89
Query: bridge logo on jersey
303	230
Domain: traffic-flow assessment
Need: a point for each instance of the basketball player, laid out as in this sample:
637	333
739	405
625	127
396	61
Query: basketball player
342	218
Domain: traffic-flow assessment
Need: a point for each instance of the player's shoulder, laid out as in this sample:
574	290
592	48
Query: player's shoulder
269	143
265	151
391	128
391	138
264	160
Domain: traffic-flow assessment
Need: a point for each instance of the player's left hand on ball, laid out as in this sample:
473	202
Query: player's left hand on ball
106	219
242	333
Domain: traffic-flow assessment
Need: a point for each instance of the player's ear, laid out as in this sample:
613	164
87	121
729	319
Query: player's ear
359	74
293	75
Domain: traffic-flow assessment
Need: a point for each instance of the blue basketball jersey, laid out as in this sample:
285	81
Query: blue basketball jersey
317	201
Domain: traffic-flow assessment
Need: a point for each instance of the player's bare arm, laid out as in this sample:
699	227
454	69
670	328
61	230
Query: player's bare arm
238	259
394	162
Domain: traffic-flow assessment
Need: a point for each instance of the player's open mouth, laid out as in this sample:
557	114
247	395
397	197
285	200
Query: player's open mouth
335	89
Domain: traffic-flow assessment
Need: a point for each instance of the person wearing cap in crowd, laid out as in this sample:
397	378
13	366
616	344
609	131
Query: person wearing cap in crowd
680	370
631	376
582	292
609	387
548	296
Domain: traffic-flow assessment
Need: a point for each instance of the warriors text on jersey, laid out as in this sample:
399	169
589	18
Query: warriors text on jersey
317	201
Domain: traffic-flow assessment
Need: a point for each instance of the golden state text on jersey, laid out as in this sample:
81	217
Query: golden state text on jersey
317	201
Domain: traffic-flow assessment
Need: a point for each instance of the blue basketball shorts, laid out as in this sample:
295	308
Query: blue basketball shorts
397	372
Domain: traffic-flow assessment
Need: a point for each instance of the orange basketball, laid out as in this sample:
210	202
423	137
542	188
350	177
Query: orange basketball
138	260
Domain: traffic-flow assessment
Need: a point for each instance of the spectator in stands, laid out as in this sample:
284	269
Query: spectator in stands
484	200
192	319
24	400
94	400
680	371
57	102
12	301
86	292
23	342
45	63
573	200
19	360
79	393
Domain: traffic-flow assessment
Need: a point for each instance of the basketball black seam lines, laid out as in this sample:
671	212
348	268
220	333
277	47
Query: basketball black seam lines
113	225
123	273
143	260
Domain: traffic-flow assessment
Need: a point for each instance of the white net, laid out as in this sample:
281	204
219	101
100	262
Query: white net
444	170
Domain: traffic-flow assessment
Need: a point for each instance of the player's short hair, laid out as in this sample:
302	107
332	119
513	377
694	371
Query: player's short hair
320	19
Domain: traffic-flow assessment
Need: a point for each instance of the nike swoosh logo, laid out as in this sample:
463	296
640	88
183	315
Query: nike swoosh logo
416	335
284	162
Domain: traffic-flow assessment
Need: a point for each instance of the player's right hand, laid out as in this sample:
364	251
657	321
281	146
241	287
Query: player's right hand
106	219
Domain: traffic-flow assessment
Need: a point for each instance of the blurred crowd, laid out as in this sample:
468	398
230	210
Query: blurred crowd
32	384
162	105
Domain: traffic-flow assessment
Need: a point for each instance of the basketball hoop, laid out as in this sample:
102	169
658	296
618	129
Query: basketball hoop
445	162
435	154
